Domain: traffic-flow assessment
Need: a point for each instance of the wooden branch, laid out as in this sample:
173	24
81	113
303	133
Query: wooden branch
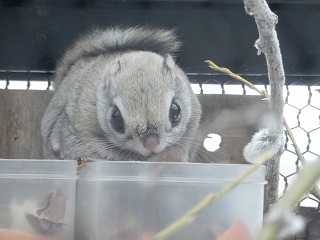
268	44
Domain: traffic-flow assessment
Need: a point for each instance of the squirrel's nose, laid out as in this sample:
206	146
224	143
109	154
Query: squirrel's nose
151	142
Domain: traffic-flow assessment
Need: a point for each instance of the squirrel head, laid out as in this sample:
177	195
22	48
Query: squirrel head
145	103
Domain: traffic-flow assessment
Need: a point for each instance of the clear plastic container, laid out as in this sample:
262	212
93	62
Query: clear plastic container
37	199
130	200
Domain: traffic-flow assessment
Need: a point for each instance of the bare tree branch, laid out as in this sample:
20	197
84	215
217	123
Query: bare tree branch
268	44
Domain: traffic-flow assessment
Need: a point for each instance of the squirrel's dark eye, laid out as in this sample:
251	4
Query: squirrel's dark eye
117	120
175	114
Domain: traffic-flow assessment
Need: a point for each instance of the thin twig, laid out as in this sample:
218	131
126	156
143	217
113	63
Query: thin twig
237	77
282	211
315	190
208	201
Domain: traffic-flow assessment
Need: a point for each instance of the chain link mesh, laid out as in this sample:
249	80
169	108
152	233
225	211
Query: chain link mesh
302	110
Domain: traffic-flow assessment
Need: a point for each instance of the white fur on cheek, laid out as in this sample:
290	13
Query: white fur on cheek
261	143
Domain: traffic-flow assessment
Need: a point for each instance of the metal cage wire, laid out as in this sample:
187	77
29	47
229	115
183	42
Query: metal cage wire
302	110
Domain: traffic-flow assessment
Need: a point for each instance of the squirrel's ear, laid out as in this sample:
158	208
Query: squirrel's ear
116	68
168	63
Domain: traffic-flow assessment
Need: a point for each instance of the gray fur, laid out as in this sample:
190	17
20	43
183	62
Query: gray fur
116	40
133	70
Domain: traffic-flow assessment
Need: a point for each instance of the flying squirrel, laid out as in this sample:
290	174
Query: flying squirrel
120	96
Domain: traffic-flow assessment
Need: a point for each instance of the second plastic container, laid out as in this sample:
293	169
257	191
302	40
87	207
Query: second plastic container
132	200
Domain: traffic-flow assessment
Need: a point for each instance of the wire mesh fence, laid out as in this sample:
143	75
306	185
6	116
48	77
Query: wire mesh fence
26	80
302	110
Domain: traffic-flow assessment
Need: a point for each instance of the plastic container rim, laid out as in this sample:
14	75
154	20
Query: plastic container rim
168	172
